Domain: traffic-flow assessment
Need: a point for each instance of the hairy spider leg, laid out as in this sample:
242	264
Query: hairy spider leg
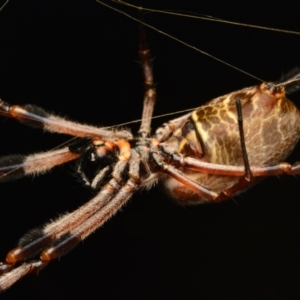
35	116
60	236
16	166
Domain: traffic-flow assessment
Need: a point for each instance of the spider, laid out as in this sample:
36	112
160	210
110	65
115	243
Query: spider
111	147
207	155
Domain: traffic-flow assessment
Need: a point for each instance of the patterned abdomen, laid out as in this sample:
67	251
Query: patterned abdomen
271	125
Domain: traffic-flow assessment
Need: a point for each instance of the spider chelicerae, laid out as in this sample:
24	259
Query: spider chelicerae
84	147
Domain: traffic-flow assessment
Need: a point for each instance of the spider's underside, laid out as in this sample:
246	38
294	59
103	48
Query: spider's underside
208	155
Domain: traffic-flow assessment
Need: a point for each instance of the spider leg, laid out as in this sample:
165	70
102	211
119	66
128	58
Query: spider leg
195	186
90	225
194	164
164	131
70	240
247	175
247	178
37	117
150	91
15	166
8	279
60	236
37	239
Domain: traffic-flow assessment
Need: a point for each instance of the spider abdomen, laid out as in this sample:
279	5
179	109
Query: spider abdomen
271	125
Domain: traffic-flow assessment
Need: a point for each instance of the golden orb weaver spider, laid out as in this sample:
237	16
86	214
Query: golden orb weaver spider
114	76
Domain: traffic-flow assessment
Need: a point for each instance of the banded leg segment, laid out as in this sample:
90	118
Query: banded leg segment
150	91
8	279
196	187
91	224
75	236
37	117
215	169
150	97
16	166
62	235
38	239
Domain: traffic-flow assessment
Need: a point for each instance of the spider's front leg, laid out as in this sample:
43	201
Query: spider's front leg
34	116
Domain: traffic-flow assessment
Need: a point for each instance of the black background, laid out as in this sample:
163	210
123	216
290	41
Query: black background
79	59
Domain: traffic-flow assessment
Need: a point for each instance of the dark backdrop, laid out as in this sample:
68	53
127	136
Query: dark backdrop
79	59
